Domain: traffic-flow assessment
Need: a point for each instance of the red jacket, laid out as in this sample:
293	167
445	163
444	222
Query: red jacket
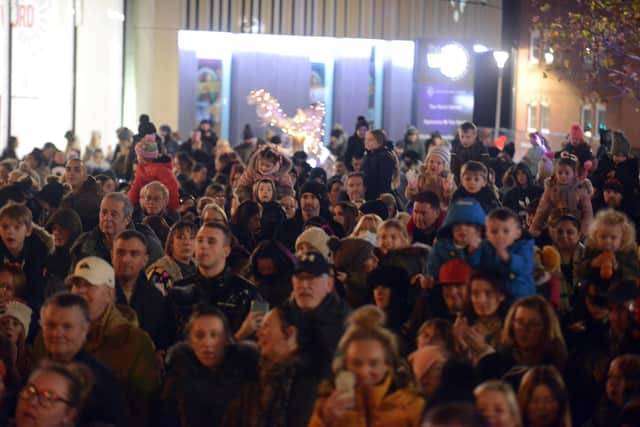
155	171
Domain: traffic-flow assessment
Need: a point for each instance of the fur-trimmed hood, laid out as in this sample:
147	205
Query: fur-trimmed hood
285	162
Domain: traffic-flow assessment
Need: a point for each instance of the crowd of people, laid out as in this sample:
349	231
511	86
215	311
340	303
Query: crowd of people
416	283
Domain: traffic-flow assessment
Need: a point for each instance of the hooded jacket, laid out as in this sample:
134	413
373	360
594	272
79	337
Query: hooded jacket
517	273
379	168
58	263
518	198
573	198
159	170
282	179
36	248
626	172
86	203
462	211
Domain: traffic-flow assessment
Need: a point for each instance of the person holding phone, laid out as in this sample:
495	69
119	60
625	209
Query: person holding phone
372	385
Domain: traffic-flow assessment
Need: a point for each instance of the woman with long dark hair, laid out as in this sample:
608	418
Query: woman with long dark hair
245	224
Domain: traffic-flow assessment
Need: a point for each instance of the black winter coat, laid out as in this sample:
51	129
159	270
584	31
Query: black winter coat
230	293
92	243
461	155
154	313
326	322
355	148
486	197
195	396
106	404
378	168
86	203
517	198
284	397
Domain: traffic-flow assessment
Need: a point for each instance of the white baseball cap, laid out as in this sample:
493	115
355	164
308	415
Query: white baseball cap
94	270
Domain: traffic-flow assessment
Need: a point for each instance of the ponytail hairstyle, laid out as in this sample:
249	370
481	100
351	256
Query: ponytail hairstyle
367	323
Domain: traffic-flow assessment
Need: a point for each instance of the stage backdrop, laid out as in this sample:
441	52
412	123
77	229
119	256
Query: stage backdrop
372	78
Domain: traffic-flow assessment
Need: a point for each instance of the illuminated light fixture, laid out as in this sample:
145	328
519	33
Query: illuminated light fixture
501	57
480	48
454	61
434	60
548	58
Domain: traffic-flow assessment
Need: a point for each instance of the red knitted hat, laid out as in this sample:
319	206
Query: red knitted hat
454	271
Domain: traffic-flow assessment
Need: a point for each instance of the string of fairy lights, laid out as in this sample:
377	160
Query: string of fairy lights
306	127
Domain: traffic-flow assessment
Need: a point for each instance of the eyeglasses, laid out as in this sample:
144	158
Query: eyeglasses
530	325
46	399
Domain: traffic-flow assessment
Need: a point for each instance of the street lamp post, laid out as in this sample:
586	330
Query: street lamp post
501	58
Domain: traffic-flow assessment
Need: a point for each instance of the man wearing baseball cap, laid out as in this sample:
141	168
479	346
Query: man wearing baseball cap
113	339
313	295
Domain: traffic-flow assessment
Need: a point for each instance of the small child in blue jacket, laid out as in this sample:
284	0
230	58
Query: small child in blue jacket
507	253
461	231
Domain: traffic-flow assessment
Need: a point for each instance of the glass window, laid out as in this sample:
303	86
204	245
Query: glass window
601	115
532	117
544	118
585	117
534	47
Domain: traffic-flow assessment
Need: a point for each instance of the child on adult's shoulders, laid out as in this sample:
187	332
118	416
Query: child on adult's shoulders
474	177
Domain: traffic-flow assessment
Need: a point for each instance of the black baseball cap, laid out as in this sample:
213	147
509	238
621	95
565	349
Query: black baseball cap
312	262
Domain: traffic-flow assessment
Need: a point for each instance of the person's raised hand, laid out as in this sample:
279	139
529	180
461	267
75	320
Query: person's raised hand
336	405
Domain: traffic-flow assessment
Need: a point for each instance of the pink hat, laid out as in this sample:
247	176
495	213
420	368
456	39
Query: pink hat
576	132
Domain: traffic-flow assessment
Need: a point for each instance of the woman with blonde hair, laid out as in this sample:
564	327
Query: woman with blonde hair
372	384
498	404
530	336
543	398
367	227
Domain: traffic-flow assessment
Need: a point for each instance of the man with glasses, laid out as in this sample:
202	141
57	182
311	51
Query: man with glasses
426	219
65	323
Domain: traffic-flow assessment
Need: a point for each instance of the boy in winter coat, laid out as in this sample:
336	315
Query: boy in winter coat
27	246
462	229
506	253
474	178
469	148
153	167
523	192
